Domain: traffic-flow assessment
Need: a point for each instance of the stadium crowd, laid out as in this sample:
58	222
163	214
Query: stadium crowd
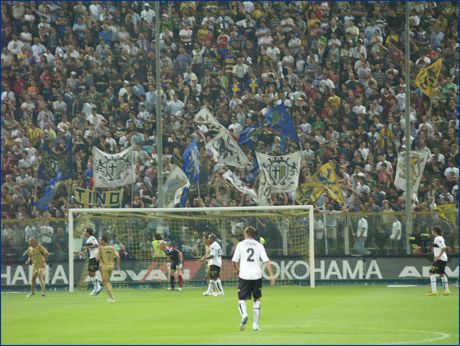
86	71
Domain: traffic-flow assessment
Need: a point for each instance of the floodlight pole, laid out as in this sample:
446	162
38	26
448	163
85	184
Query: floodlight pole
408	142
158	106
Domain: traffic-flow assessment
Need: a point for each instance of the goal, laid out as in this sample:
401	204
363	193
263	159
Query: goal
285	231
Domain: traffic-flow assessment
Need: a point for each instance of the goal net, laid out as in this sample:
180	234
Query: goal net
285	231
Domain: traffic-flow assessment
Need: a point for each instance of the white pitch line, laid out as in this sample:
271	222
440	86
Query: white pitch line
440	336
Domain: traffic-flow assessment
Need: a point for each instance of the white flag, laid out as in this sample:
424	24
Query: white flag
281	173
174	186
205	117
113	170
264	192
418	161
238	184
226	150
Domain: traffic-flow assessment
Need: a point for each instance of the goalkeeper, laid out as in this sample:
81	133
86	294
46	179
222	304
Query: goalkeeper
176	258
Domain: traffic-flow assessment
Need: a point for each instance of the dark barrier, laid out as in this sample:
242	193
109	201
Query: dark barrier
289	270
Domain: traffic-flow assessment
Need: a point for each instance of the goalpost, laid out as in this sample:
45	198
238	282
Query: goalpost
131	230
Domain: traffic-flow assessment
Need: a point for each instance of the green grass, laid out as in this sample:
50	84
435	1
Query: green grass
290	315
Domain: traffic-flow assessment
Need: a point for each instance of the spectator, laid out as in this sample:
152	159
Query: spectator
87	69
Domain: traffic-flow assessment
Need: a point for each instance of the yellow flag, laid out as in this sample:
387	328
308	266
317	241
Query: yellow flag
326	175
448	212
427	78
324	179
310	192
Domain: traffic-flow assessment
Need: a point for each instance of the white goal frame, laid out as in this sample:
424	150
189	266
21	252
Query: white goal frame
308	208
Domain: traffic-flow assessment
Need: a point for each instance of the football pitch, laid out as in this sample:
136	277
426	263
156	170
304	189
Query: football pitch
290	315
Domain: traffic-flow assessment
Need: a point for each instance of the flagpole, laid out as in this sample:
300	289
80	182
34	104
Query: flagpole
407	133
68	192
134	178
158	106
36	187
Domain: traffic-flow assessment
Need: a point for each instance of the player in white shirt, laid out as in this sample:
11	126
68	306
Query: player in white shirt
215	263
439	262
247	261
92	248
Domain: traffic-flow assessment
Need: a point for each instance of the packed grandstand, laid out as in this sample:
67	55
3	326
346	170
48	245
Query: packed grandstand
78	75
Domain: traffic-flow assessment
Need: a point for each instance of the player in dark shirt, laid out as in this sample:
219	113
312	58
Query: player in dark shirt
177	259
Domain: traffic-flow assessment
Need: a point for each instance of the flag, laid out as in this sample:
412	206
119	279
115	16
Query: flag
253	85
205	117
428	77
238	184
264	191
175	188
324	180
418	161
248	136
43	202
191	159
448	212
236	88
278	119
326	175
309	192
281	173
254	171
101	199
54	159
226	151
113	170
183	198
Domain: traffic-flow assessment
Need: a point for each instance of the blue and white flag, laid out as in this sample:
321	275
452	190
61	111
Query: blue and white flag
191	159
175	188
279	120
43	203
248	136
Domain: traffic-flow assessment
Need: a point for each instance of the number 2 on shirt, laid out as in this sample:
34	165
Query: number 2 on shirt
250	251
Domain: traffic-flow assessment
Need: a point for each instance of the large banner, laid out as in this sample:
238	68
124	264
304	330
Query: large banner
281	172
113	170
418	161
292	269
226	151
100	199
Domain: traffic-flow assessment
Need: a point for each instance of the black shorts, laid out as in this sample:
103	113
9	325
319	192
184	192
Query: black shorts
93	265
174	265
438	267
214	271
248	288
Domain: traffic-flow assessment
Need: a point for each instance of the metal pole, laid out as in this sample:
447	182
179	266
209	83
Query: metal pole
407	133
158	105
70	258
